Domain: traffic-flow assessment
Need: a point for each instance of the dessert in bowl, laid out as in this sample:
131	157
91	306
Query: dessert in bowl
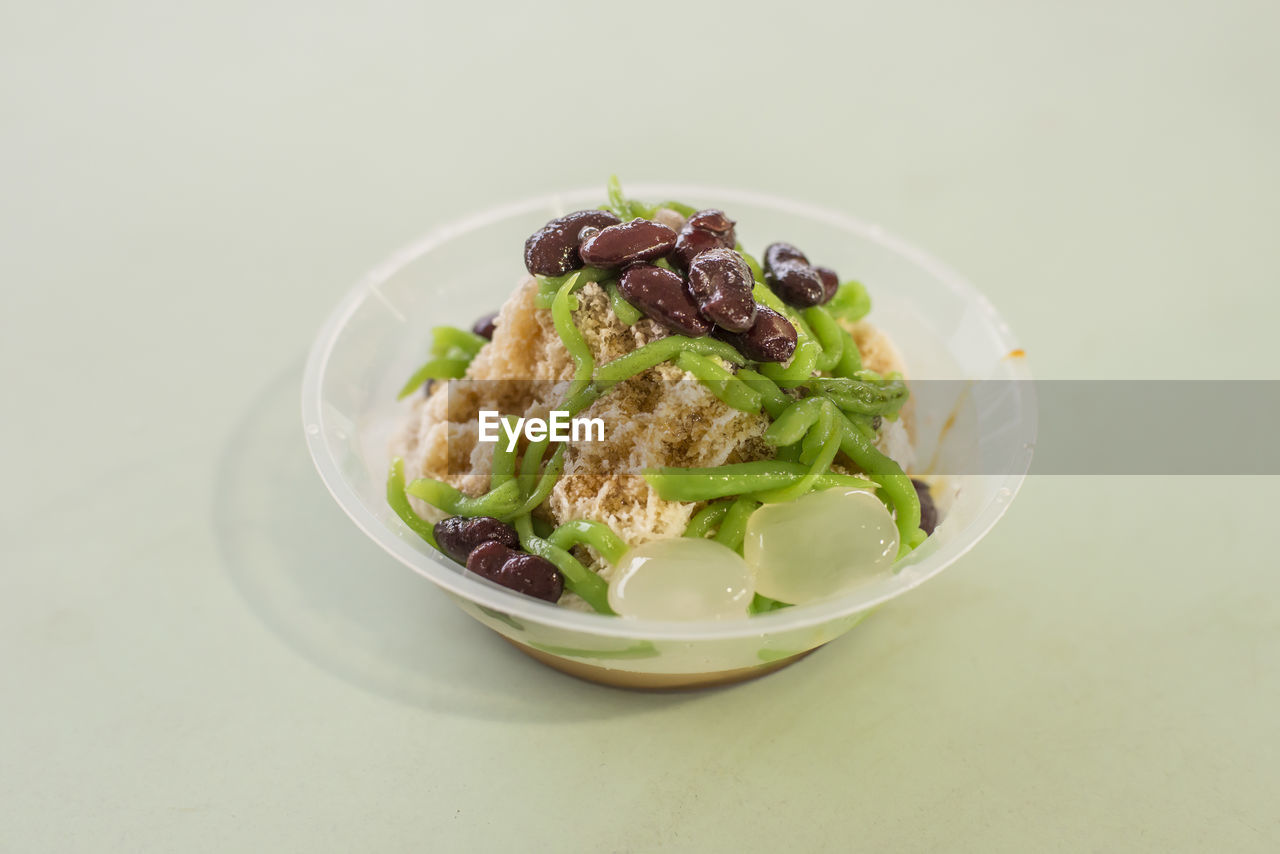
759	473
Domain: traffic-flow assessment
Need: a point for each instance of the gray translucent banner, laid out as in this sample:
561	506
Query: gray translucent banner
1105	427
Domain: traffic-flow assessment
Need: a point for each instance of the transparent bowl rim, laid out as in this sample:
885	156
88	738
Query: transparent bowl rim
444	572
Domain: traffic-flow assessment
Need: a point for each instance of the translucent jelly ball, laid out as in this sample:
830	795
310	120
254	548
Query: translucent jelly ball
682	579
820	544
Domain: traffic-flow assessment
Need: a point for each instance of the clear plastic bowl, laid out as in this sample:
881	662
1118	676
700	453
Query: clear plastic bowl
944	327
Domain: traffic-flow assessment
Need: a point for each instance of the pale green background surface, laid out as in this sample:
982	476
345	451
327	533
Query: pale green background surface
199	653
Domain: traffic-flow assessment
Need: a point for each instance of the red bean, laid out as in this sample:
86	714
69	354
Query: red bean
789	275
661	295
458	536
692	242
553	249
830	282
720	281
795	282
628	243
716	222
771	338
928	510
775	253
484	326
524	573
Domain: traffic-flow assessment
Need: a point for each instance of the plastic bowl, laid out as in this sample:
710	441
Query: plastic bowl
945	328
